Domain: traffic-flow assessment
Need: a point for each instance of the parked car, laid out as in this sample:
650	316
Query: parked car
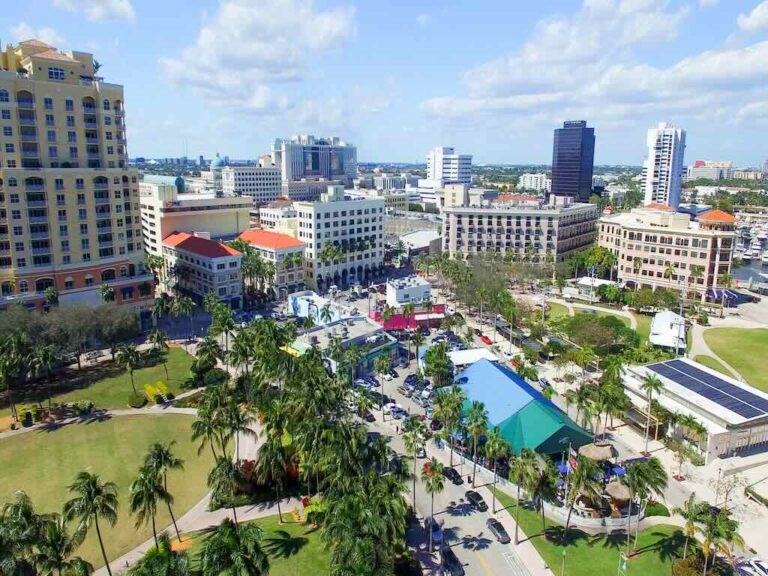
498	530
453	475
387	376
477	332
431	525
393	373
485	340
411	378
450	563
476	501
420	452
544	382
405	391
368	417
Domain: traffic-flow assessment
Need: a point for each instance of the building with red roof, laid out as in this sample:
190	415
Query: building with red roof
196	265
285	253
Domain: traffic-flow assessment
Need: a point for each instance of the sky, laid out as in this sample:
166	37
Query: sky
491	78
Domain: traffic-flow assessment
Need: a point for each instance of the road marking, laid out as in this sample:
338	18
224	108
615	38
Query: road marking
517	566
485	564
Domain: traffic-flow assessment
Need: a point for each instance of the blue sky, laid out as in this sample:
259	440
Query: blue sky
489	77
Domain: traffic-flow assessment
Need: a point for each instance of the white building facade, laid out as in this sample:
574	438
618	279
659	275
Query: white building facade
411	290
261	184
306	156
445	166
663	166
538	182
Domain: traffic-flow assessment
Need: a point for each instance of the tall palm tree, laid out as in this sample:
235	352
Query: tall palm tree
93	500
44	358
414	436
128	358
162	560
234	550
637	266
184	306
482	297
717	529
223	325
162	460
206	429
239	422
694	512
477	423
520	470
21	524
208	352
272	461
653	480
651	385
542	484
145	492
55	548
583	484
352	357
222	481
418	340
697	271
449	403
159	341
432	478
496	446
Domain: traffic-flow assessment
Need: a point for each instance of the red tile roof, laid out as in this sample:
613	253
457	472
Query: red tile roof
717	216
198	245
35	42
267	239
657	206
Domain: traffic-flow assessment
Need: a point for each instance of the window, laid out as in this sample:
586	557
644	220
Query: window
69	104
6	114
59	184
50	120
18	246
51	135
48	103
7	131
14	198
85	244
73	151
70	121
88	281
9	149
22	263
82	213
83	228
110	149
66	259
109	135
80	184
71	137
106	104
107	120
69	283
56	74
65	245
53	151
3	95
86	256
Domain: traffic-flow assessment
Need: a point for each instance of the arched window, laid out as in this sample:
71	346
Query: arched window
100	182
69	283
42	283
108	274
106	104
123	271
12	182
3	95
88	281
23	287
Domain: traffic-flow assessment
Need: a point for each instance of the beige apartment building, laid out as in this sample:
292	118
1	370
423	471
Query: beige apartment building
285	253
69	204
527	228
164	210
648	240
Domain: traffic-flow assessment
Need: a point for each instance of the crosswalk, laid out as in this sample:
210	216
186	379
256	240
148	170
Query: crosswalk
517	568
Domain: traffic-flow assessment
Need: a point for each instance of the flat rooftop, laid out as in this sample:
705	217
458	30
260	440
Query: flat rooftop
348	329
409	282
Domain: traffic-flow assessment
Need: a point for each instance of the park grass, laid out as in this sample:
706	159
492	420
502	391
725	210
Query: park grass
293	549
556	310
744	349
45	462
589	555
108	386
643	325
713	363
591	311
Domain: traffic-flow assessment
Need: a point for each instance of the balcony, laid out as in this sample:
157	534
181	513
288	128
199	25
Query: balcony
38	219
91	123
37	203
25	121
25	104
30	153
46	250
102	201
29	137
40	235
94	156
119	112
34	187
103	215
90	110
92	140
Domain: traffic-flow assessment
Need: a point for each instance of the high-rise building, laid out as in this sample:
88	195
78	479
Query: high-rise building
573	156
710	170
69	203
445	166
308	157
663	166
765	169
538	182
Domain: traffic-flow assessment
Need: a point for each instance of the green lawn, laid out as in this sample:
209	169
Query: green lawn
556	310
624	319
713	363
744	349
592	555
643	325
44	463
293	549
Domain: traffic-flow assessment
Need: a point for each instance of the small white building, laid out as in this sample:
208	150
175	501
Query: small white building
668	330
411	290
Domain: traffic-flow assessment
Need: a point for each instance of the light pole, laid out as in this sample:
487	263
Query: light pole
681	331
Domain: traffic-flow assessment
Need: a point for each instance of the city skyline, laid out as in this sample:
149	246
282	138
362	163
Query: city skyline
286	67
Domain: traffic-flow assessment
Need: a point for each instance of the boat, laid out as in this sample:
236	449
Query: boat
764	259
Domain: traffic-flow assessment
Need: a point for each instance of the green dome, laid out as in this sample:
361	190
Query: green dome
218	162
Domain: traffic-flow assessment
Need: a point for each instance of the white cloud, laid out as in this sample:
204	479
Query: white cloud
23	31
708	3
423	19
248	46
375	104
99	10
756	20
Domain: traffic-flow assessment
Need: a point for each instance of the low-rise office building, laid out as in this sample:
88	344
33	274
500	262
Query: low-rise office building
260	183
526	229
394	200
658	247
306	189
285	253
411	290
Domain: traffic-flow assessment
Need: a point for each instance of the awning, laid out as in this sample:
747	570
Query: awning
597	452
432	316
718	294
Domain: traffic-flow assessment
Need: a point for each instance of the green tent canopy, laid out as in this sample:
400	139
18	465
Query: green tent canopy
542	428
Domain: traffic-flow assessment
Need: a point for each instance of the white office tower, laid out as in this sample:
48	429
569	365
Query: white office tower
307	157
663	166
444	166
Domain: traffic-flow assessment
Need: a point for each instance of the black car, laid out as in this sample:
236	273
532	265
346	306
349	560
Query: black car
452	475
476	501
368	417
411	378
477	332
393	373
450	563
497	530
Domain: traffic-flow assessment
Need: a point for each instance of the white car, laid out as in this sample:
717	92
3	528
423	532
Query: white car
392	407
387	376
754	567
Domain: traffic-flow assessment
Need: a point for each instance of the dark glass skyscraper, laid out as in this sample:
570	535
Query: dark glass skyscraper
573	156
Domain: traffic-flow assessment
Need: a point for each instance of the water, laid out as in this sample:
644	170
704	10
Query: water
752	270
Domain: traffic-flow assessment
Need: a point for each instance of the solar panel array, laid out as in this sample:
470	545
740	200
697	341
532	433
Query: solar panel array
714	388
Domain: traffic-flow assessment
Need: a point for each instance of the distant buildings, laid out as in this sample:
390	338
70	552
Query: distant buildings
445	166
663	166
196	265
765	169
164	210
573	155
309	157
747	175
389	182
286	254
537	182
394	200
647	241
306	189
709	170
260	183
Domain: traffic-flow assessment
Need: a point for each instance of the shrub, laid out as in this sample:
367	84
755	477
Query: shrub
136	401
150	392
25	415
656	509
215	377
84	407
691	566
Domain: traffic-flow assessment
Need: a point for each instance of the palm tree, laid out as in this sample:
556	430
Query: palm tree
651	478
449	403
326	314
482	296
184	306
93	500
432	478
637	266
159	340
496	446
43	359
162	560
223	324
206	429
352	357
414	436
417	339
694	512
55	549
520	471
162	460
208	352
697	271
21	524
238	422
477	424
128	357
234	550
146	491
542	484
222	481
271	463
651	385
51	297
583	484
717	530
